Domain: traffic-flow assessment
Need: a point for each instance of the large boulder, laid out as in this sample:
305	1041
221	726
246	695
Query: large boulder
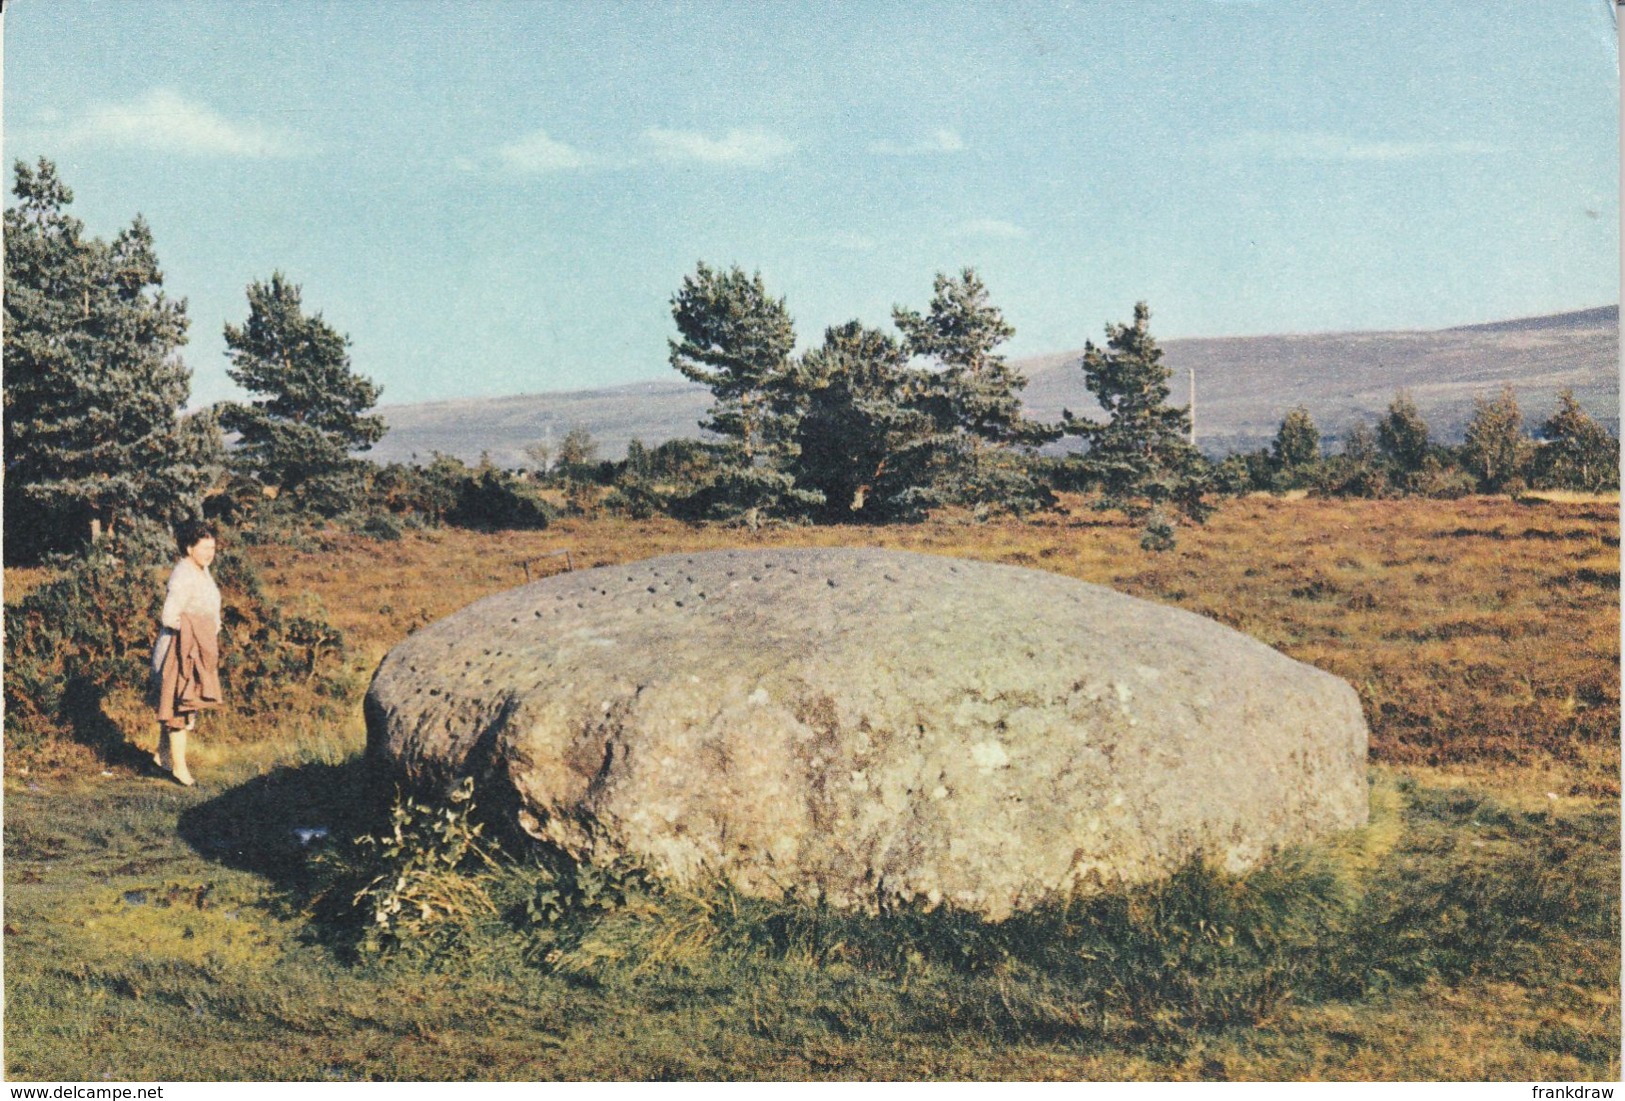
872	726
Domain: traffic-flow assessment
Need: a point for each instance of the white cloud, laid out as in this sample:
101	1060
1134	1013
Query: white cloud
1310	145
741	148
990	227
164	121
940	141
537	153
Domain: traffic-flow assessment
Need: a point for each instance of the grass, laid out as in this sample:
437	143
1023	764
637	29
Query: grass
1471	932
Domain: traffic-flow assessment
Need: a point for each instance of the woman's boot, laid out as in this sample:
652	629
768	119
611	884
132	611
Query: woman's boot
177	751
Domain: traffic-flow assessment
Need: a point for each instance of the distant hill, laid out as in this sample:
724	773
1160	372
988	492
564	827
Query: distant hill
1243	387
1579	319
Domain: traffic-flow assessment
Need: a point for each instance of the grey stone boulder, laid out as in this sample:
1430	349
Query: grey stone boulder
872	727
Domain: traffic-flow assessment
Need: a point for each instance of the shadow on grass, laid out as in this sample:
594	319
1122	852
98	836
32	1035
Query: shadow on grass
274	824
83	715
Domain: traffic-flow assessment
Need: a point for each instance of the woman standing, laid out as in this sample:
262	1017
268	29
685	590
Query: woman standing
185	662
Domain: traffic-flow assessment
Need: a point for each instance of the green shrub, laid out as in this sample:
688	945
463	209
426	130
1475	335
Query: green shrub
431	867
1442	481
492	500
1159	532
634	499
71	642
428	492
75	641
381	526
1345	477
1233	476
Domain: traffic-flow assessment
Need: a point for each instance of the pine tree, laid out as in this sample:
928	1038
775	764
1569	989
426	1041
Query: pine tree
311	408
862	442
1297	443
1402	436
974	396
1497	451
1576	452
736	340
1141	455
94	380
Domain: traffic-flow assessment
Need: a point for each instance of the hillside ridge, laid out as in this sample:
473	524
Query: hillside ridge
1244	386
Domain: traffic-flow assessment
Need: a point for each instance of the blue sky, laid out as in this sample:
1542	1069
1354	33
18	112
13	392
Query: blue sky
497	198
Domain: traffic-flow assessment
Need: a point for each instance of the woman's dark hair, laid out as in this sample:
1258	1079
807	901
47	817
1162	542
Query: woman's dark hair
193	532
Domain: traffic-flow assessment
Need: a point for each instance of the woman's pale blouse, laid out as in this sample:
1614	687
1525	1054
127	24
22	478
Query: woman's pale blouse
191	591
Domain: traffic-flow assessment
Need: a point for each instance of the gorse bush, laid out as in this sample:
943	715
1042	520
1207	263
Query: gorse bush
447	491
70	643
490	499
635	499
76	641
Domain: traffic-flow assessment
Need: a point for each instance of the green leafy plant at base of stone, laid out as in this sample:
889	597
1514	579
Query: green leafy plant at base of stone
431	888
565	899
428	883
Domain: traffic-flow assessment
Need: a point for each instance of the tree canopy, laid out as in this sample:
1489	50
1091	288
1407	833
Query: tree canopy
311	409
1576	452
973	397
863	443
1140	456
736	340
1497	450
1297	441
94	381
1402	434
975	391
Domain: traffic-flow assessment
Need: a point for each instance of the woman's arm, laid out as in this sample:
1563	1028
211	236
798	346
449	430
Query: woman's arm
175	597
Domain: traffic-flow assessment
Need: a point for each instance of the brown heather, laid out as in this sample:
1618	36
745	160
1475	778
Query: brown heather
1482	631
